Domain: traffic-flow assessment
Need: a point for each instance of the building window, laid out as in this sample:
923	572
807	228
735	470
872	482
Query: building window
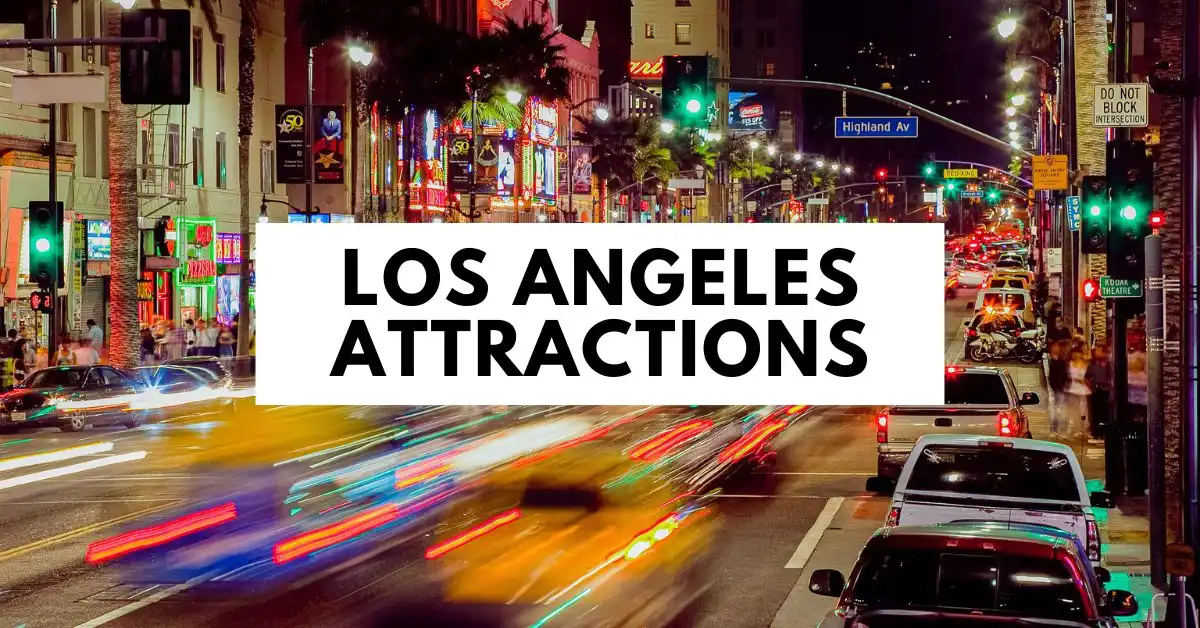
174	159
649	30
222	161
89	142
198	157
769	68
266	161
736	37
770	38
197	56
683	34
104	145
221	63
683	3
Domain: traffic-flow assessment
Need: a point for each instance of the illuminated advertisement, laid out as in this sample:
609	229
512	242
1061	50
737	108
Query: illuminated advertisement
197	249
642	70
506	167
581	170
321	218
229	248
99	240
458	163
545	174
227	298
750	112
329	145
545	123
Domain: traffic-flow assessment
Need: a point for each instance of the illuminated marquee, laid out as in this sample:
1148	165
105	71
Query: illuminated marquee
646	69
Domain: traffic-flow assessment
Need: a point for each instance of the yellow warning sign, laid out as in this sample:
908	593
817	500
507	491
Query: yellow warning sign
960	173
1050	172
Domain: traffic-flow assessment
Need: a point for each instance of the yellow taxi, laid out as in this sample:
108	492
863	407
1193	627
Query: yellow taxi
1023	275
588	537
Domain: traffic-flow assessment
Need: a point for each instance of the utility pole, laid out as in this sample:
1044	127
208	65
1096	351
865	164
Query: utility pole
308	135
1156	470
56	313
1190	270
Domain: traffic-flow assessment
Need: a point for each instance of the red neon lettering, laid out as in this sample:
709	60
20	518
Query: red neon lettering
646	69
200	268
752	111
204	235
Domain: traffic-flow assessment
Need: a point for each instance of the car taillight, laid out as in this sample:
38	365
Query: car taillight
971	333
1093	541
881	425
1005	423
893	518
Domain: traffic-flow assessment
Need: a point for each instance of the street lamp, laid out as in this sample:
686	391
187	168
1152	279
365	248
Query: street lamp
1014	136
1015	144
797	156
1012	125
1007	27
1010	111
667	127
601	114
834	167
753	144
1018	100
1016	74
263	218
820	163
514	97
771	150
361	55
847	170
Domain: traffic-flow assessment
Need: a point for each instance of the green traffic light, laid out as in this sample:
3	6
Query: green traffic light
1094	210
693	106
950	186
1129	212
42	245
929	171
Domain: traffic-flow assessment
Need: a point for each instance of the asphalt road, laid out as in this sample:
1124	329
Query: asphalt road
47	525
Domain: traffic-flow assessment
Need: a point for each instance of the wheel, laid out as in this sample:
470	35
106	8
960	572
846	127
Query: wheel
1026	354
134	421
75	423
975	353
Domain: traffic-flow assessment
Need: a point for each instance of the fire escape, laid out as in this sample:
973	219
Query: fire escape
162	159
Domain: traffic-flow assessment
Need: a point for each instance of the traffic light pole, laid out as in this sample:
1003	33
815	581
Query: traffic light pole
1155	433
52	332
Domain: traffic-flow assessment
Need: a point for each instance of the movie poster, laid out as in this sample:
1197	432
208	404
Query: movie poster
329	144
488	163
506	167
581	170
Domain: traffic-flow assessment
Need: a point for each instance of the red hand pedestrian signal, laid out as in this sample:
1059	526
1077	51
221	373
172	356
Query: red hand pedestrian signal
41	302
1090	290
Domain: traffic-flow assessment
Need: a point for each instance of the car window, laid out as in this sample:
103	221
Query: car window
556	497
55	378
976	389
998	300
989	583
999	471
94	379
113	378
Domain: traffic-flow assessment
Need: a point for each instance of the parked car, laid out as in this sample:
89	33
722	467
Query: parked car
966	574
951	478
70	398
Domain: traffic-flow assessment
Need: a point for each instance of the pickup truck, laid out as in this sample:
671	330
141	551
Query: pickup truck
980	401
951	479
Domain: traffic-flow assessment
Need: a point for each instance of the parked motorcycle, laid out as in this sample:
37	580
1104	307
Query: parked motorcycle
1027	346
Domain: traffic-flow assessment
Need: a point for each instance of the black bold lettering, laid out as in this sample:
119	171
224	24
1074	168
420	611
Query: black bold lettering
450	331
849	286
408	330
353	296
498	351
586	268
391	277
779	337
540	264
479	286
689	348
591	348
785	277
637	278
712	341
741	281
357	334
858	357
551	337
655	329
701	276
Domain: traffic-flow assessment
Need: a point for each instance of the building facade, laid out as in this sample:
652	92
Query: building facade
186	160
765	42
680	27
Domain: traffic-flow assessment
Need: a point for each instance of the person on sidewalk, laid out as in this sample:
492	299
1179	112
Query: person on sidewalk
1077	395
1098	378
85	355
1057	377
190	325
96	334
63	357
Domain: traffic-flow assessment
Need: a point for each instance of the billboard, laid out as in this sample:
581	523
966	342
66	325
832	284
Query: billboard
99	240
506	167
289	144
329	145
750	112
458	163
581	170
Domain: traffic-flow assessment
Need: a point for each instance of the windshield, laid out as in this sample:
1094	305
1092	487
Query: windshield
555	497
999	300
55	378
998	471
167	379
976	389
989	583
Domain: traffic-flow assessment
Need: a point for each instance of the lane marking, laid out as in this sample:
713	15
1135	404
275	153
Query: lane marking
142	603
149	500
808	544
79	467
70	534
852	473
57	455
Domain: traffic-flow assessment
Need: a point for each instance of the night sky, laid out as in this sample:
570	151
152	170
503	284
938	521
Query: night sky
942	51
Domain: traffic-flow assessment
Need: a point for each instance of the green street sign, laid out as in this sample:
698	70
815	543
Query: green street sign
1119	288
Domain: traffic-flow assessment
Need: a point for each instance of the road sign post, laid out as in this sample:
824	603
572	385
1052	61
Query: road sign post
852	127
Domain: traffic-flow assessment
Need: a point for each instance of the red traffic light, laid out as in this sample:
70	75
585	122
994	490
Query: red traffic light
881	174
1089	290
1157	219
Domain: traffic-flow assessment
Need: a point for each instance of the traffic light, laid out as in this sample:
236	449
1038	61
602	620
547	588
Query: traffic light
929	170
1093	223
881	175
158	73
45	244
687	93
929	217
1089	290
1157	220
841	219
1130	181
993	196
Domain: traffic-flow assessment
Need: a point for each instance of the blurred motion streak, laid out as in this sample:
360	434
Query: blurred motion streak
556	612
317	540
57	455
659	446
79	467
752	440
129	542
456	542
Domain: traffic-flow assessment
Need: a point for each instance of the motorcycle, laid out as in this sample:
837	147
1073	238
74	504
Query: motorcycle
1027	346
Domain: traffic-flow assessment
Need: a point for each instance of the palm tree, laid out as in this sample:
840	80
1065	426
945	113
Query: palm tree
525	54
1091	69
248	31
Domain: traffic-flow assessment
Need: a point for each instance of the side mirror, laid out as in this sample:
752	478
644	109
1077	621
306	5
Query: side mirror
966	323
1120	603
827	582
1103	575
1101	499
1029	399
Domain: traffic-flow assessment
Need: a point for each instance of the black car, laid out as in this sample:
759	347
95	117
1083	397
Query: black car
70	398
210	368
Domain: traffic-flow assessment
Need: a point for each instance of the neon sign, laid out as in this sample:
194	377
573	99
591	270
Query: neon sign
646	69
229	248
197	249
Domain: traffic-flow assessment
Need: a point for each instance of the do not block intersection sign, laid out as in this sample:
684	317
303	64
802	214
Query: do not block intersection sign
1122	105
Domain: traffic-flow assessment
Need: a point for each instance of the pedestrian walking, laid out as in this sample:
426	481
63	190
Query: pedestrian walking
227	343
63	357
148	346
1058	377
1098	377
1078	395
206	337
95	334
190	327
85	355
